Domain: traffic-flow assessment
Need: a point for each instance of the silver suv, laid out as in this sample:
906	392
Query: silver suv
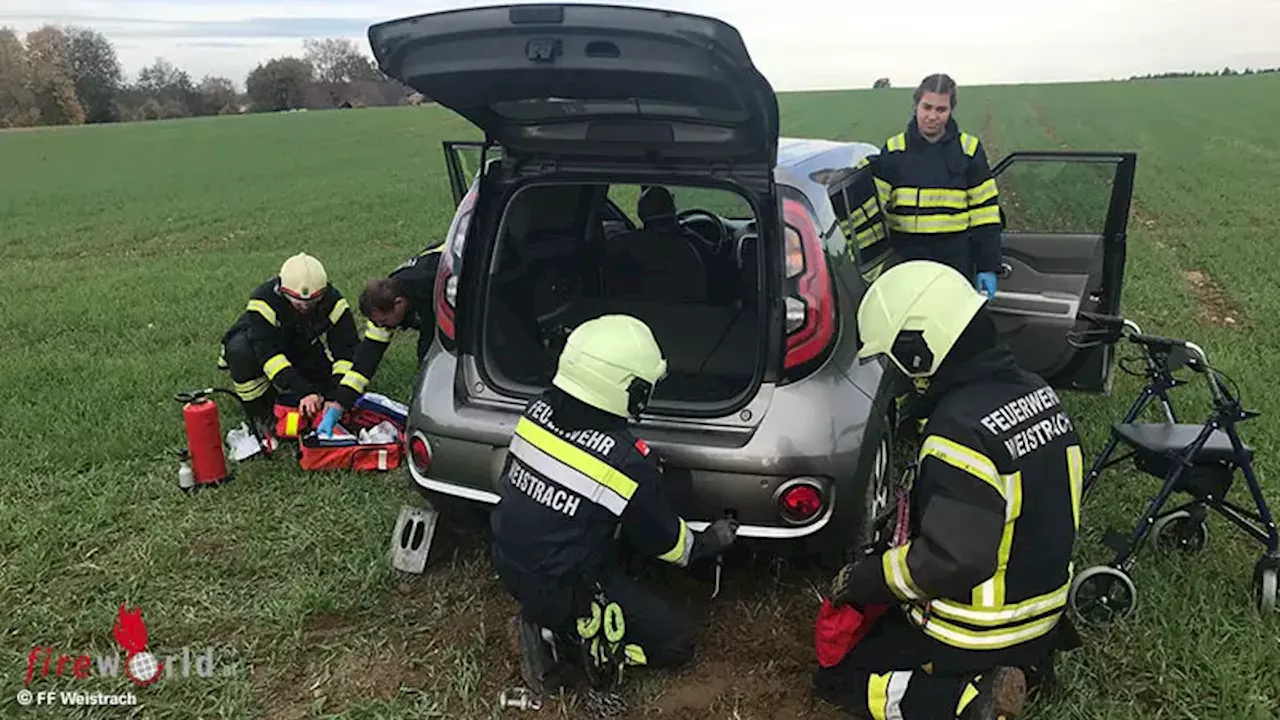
633	164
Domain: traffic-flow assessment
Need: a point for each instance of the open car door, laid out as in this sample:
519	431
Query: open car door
629	83
463	159
1065	216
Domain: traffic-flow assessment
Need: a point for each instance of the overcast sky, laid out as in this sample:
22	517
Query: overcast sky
798	44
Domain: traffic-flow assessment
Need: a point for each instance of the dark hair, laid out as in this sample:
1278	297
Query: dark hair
379	294
938	83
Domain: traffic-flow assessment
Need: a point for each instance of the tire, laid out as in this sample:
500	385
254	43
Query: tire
1265	588
1177	532
878	496
1101	596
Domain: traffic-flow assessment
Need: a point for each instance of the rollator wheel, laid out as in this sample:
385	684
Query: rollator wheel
1264	588
1178	531
1102	595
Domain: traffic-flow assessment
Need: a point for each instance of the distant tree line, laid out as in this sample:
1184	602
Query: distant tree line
1224	72
70	75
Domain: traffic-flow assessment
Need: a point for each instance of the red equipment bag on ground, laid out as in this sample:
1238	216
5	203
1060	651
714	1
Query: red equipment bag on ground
838	629
375	420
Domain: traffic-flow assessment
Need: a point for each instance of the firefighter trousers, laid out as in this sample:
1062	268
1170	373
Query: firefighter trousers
898	672
663	633
250	382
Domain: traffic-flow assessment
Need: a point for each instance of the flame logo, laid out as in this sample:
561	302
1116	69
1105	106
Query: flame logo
131	632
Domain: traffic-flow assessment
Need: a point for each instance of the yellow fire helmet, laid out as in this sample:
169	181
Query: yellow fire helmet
612	363
914	313
302	277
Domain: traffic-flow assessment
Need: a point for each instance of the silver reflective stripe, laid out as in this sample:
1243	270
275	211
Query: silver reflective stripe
898	682
558	472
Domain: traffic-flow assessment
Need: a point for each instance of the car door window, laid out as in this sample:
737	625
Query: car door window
860	216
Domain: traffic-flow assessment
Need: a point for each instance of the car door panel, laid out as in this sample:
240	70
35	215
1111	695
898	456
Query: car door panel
1063	253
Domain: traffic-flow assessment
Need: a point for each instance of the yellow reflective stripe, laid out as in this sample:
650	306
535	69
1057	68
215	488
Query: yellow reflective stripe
576	458
897	575
928	224
989	215
355	381
377	334
959	456
897	143
266	311
433	250
253	389
969	639
339	308
1006	615
275	364
291	423
635	655
930	198
878	695
969	143
870	236
341	367
970	692
679	553
1075	474
884	191
870	208
983	192
990	594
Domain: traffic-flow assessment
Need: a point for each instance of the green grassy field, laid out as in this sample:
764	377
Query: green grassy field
127	250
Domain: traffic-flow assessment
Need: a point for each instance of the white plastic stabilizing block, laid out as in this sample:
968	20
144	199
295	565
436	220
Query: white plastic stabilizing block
411	538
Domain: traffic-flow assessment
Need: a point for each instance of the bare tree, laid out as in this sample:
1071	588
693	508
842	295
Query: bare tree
17	103
340	68
52	81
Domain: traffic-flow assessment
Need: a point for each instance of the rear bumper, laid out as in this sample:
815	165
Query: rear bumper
812	429
763	532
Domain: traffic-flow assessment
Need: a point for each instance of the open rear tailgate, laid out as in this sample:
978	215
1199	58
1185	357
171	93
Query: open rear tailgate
592	80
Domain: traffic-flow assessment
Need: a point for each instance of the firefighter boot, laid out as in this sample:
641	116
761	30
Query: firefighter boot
1002	693
261	419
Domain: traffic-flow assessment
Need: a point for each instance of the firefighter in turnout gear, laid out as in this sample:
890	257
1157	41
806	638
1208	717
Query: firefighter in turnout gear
295	338
575	478
936	191
403	299
979	588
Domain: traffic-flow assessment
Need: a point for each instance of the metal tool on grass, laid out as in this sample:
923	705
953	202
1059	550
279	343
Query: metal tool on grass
520	698
720	559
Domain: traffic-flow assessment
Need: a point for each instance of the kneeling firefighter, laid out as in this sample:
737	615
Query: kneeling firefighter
574	474
295	336
403	299
977	592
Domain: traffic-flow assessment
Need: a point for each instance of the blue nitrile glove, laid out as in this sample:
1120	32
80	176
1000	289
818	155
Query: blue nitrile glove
330	419
987	284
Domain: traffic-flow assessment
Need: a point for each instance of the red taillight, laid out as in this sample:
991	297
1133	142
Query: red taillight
800	503
420	452
810	304
446	290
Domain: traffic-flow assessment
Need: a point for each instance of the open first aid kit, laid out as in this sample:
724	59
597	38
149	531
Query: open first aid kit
368	437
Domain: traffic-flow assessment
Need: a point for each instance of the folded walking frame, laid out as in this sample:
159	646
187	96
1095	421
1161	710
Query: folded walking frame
1198	461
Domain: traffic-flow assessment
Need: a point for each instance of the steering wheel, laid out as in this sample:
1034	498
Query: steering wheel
685	216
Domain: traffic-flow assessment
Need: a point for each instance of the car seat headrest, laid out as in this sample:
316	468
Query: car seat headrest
656	206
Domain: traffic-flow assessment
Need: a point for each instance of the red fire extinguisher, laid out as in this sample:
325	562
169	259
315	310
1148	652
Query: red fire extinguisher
204	437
